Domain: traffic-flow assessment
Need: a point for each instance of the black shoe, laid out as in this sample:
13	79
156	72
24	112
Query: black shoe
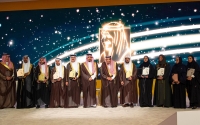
46	106
194	107
124	105
131	105
151	106
37	106
30	106
93	106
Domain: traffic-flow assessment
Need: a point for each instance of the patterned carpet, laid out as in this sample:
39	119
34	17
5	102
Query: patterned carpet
87	116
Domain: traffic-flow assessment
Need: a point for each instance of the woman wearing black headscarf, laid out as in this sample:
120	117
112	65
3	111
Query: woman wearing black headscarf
163	93
178	80
145	83
193	83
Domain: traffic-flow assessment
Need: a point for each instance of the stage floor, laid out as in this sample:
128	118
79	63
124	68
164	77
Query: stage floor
87	116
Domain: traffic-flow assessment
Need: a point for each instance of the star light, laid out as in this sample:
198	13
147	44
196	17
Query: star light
10	43
156	23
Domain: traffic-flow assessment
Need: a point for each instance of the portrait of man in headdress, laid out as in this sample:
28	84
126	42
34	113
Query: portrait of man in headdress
114	41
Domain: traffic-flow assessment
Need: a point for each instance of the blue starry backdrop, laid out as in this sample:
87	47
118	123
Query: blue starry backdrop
52	33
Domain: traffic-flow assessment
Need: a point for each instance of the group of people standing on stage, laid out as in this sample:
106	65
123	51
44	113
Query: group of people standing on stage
43	86
171	86
61	86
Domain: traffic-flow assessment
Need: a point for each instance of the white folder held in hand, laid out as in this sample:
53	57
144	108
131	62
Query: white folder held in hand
190	72
145	71
20	73
56	75
161	72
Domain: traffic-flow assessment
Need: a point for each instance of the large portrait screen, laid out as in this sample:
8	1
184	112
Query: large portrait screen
114	41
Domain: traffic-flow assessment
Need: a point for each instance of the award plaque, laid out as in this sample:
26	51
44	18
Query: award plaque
41	77
72	74
20	73
145	71
161	72
190	72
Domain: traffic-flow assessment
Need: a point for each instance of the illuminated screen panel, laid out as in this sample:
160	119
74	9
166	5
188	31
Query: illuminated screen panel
150	29
114	41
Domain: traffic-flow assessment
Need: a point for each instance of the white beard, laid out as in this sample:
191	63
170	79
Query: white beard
127	66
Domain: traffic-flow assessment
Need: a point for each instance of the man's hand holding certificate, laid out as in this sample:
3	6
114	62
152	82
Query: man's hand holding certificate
20	73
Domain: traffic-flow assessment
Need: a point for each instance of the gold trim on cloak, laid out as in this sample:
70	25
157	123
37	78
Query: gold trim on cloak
78	69
63	71
7	66
130	70
114	69
93	67
47	77
29	70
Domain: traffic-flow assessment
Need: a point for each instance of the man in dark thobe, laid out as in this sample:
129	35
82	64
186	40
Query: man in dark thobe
109	83
25	83
88	75
128	80
42	78
7	83
73	73
58	74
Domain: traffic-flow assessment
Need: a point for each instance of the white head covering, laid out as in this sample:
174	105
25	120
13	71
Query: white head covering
74	64
59	68
127	66
26	66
